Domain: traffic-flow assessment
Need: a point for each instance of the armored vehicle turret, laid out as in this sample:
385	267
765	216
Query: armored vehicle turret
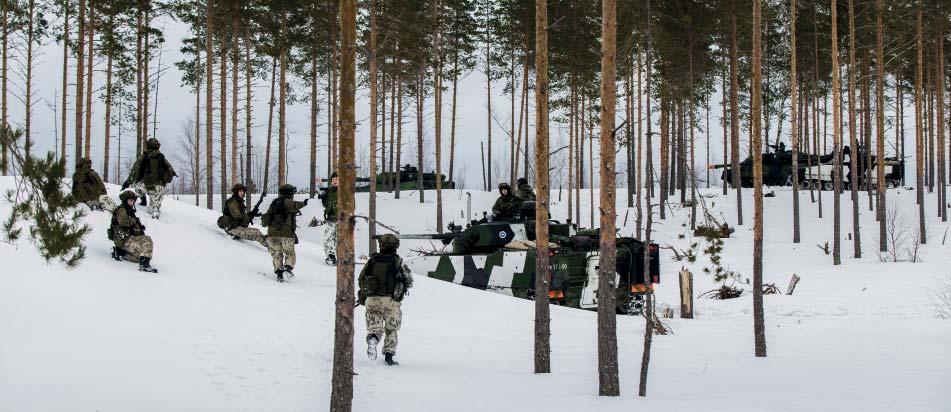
500	257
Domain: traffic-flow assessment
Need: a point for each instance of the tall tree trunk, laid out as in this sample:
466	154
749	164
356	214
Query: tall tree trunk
628	128
940	109
919	138
209	109
836	144
196	172
374	117
664	143
341	397
880	126
270	124
639	172
90	32
399	136
420	96
282	108
646	194
522	119
513	147
571	147
138	74
725	122
233	49
80	78
527	151
28	103
394	167
313	123
108	120
734	122
853	142
452	124
222	114
146	58
759	328
3	77
866	161
542	276
3	104
607	307
437	140
488	108
794	126
249	73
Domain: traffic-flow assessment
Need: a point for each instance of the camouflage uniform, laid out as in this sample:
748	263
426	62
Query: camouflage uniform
241	220
281	219
525	193
150	173
383	283
129	234
329	200
89	188
505	205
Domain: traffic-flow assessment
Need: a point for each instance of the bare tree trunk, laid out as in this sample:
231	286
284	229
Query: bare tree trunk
374	117
664	142
628	128
734	123
341	397
146	58
940	109
452	127
108	120
488	108
90	32
725	122
270	124
836	144
394	168
794	127
759	328
399	136
542	315
919	138
3	78
222	115
233	48
646	194
639	172
209	109
80	67
28	100
853	142
249	73
437	140
196	173
3	105
513	147
313	124
572	113
420	96
880	126
282	108
607	307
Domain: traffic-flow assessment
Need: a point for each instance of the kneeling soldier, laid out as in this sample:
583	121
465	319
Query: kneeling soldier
89	188
235	221
281	222
128	234
383	284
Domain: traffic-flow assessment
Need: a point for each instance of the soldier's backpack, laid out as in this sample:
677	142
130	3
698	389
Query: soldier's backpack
384	276
276	214
225	221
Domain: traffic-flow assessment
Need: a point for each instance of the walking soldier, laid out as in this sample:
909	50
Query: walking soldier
384	282
149	175
281	222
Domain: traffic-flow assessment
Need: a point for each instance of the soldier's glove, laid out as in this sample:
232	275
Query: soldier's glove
361	298
305	201
254	213
126	184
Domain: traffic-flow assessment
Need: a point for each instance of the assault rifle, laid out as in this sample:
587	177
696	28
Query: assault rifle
256	210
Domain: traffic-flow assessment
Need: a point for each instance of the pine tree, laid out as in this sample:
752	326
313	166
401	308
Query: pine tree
759	328
542	315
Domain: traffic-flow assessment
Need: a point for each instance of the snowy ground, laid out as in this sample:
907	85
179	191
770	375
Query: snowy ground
214	332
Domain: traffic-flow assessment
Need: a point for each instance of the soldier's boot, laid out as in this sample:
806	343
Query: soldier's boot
331	260
388	358
117	254
372	342
233	237
289	271
144	265
143	201
280	275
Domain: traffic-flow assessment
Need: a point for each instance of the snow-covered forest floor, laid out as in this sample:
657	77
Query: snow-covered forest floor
213	331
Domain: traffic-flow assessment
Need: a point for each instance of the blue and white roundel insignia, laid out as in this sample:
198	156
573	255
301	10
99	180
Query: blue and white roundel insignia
502	234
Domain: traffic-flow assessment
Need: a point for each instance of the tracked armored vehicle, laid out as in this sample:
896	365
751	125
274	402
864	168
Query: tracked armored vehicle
500	257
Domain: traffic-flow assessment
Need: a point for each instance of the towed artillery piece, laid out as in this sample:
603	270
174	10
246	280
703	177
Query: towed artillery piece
499	256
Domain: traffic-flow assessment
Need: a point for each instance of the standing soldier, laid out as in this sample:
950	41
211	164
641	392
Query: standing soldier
89	188
235	221
281	222
128	234
150	173
329	200
525	193
504	207
383	284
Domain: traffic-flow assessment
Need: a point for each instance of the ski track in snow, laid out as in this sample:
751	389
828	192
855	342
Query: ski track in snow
213	331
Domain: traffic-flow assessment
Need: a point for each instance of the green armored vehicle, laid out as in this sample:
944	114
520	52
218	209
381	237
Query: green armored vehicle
500	257
777	168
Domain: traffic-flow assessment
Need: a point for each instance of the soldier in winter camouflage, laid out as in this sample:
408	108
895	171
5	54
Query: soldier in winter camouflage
383	284
329	200
89	188
505	206
149	175
235	221
281	222
525	193
128	234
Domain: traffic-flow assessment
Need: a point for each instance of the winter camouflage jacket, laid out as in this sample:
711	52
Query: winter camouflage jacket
525	193
504	207
383	274
87	185
152	169
283	217
236	210
329	200
125	225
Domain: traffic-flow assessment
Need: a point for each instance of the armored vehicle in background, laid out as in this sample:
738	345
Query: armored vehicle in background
777	168
409	180
500	257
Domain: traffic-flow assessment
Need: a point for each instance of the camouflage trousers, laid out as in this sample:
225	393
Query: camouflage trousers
384	316
330	238
282	252
104	202
137	246
248	233
156	194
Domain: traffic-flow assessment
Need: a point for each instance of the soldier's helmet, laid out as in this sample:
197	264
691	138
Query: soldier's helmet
238	187
505	186
84	162
287	190
152	143
389	241
126	195
522	181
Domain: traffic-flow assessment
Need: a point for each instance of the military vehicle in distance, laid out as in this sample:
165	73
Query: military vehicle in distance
409	180
500	256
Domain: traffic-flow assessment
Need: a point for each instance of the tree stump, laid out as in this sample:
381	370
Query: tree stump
792	284
686	294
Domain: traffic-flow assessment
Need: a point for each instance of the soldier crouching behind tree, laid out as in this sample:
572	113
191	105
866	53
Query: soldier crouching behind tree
281	222
383	283
89	188
149	175
235	221
329	200
128	234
